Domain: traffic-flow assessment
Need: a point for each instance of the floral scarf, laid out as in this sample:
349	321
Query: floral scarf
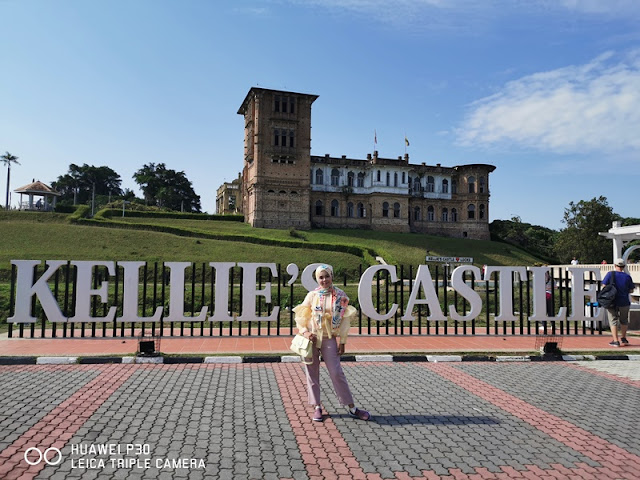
340	303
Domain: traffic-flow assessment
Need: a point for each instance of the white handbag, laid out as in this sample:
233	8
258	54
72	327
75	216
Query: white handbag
301	345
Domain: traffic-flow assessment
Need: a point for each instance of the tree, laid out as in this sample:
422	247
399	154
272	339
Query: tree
585	220
8	159
77	185
167	188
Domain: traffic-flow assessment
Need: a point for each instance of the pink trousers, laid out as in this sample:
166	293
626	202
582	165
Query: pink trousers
329	350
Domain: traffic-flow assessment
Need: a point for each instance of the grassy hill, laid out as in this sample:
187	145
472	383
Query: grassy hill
35	235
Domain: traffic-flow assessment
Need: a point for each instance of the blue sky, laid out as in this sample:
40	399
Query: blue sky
548	91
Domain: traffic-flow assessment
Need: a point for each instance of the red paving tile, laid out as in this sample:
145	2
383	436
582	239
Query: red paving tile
263	344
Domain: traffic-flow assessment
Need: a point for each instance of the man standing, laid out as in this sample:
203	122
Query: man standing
619	313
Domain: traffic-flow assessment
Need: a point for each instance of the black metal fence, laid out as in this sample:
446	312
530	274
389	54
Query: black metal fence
199	290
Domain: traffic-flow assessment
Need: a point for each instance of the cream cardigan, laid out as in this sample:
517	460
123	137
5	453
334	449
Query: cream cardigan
310	311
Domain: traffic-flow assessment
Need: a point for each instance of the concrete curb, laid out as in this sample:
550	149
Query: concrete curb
130	360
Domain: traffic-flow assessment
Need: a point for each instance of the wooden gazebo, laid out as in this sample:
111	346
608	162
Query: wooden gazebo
47	200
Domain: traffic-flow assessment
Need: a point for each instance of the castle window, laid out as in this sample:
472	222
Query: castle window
454	215
361	179
472	184
283	104
481	185
431	213
403	177
361	211
396	210
335	177
445	215
445	186
395	179
319	177
291	137
350	209
416	214
276	137
335	209
388	179
417	188
385	209
282	192
350	179
454	186
431	184
481	212
283	136
471	212
378	176
319	209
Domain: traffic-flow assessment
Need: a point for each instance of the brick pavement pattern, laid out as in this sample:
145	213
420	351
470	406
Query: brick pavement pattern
252	421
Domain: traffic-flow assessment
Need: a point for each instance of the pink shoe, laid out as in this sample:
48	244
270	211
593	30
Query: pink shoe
360	414
317	415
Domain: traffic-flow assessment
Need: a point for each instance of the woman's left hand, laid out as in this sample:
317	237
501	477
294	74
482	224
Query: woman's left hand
341	348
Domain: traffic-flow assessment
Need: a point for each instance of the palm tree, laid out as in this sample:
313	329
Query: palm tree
8	159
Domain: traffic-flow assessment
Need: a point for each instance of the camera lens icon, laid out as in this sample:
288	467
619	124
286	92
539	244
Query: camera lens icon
49	456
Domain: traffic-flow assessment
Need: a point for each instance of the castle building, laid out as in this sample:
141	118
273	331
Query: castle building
284	186
228	197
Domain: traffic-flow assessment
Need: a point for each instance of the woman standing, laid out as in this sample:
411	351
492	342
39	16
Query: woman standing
324	316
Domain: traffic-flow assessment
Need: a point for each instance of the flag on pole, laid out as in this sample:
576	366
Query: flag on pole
375	137
406	141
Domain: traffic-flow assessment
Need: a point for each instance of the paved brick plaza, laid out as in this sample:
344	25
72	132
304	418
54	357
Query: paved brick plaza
431	420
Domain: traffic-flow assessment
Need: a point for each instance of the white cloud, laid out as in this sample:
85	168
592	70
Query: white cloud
576	109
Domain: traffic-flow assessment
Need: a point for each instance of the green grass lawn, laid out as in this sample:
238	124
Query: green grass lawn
35	235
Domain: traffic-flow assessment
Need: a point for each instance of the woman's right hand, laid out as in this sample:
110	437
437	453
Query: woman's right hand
311	336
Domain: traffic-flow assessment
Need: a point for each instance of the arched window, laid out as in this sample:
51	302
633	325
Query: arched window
335	210
431	184
445	186
472	184
350	209
282	192
481	212
471	211
417	188
319	209
388	179
351	179
454	215
378	175
395	179
481	185
361	179
416	214
404	176
319	177
445	214
385	209
335	177
396	210
454	186
271	191
431	213
361	211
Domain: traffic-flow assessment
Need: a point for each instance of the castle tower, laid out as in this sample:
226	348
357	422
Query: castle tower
277	149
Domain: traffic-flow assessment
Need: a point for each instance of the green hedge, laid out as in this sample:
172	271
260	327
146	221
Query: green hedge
367	254
113	212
